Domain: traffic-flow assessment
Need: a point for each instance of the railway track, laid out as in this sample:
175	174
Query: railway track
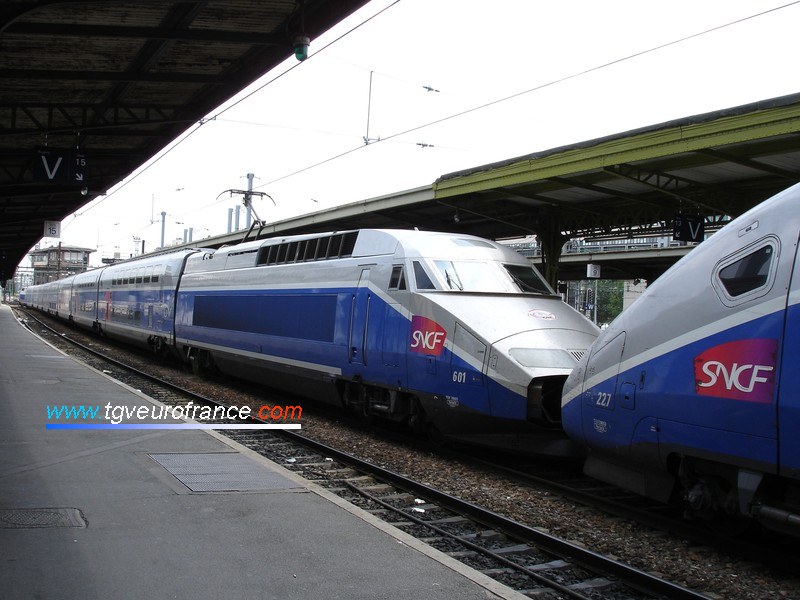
525	559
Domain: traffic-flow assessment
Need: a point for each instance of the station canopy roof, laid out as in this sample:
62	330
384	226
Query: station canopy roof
90	90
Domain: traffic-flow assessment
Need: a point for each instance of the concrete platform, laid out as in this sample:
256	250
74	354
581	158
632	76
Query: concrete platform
112	513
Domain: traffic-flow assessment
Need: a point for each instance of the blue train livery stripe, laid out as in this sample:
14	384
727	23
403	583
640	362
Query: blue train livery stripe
300	316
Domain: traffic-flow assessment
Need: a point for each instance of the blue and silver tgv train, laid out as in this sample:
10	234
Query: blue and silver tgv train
451	333
693	392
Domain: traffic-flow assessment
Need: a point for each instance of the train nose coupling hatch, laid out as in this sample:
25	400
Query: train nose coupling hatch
544	400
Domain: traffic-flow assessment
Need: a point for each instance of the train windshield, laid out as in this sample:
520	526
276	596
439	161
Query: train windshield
472	276
527	279
467	276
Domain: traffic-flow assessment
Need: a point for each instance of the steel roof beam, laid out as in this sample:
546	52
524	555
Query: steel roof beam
792	176
153	33
117	76
574	183
663	182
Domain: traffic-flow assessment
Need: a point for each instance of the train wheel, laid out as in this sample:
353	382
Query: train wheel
206	364
201	362
365	417
355	399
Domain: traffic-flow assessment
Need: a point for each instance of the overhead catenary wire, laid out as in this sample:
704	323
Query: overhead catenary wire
538	88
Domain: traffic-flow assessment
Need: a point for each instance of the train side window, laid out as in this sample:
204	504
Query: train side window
421	277
266	255
311	249
139	275
748	274
397	281
301	251
322	248
335	246
282	252
348	243
291	253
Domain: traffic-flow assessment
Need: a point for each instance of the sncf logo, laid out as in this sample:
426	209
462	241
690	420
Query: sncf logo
427	336
741	370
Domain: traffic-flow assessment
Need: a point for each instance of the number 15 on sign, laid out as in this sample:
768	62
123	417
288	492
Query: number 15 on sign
52	229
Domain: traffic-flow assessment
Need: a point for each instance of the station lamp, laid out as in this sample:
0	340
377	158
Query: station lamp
300	46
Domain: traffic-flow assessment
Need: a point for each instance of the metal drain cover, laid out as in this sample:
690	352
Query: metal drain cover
35	518
222	472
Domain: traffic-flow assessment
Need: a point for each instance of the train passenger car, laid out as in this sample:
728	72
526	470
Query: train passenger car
64	297
46	297
136	299
450	333
693	392
84	299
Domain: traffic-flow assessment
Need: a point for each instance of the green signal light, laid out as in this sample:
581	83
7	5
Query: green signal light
300	45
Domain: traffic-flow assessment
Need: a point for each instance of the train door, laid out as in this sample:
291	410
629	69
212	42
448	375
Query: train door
789	384
606	422
359	320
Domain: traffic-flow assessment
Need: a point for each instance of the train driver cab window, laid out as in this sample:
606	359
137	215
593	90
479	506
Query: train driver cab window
527	279
397	281
421	278
748	274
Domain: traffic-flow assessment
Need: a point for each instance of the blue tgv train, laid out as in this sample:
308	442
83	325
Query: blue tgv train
453	334
693	393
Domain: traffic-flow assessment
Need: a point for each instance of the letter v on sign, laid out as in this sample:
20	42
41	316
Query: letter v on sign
49	165
51	173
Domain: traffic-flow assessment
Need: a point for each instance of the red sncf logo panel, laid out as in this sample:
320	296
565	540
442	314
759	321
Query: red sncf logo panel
740	370
427	336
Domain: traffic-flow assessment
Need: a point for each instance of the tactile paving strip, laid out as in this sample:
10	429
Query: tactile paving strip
29	518
222	472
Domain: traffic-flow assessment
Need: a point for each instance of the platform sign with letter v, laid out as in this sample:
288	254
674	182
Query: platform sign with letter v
58	165
687	228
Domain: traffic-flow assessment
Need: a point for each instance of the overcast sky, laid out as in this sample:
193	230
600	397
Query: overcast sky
545	74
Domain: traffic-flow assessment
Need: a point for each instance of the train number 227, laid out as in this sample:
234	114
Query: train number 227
604	399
